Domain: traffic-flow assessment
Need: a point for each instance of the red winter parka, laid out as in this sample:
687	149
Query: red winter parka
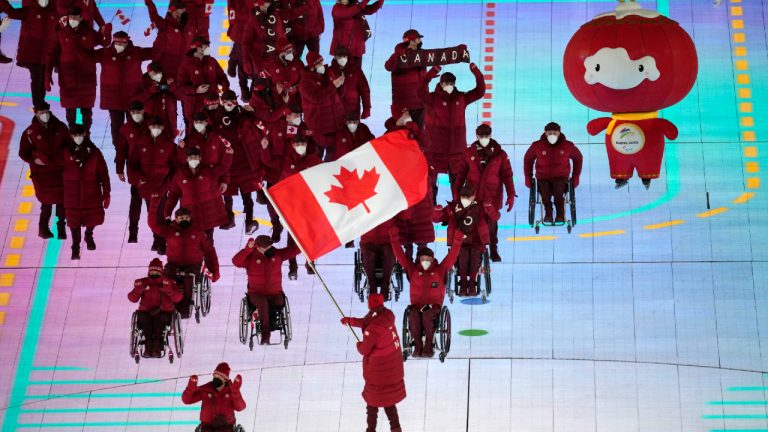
199	13
47	143
552	160
445	130
120	74
200	193
90	12
239	128
151	294
77	76
173	40
308	24
405	82
129	136
427	286
186	246
415	223
159	99
263	34
287	75
38	31
264	274
150	165
347	141
293	163
378	235
323	110
215	152
349	27
355	91
280	139
215	403
471	221
238	15
382	358
489	170
193	73
86	185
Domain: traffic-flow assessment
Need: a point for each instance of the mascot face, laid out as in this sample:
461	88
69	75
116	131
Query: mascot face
630	60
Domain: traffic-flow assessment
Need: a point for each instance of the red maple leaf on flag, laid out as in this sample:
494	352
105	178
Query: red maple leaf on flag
354	191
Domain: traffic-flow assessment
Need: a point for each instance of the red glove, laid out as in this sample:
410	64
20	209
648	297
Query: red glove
434	71
400	50
215	276
366	113
106	202
575	182
192	381
346	321
528	182
510	202
237	382
472	67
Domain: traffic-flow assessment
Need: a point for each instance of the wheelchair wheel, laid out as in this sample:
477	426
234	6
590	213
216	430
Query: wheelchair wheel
196	289
572	199
205	295
532	204
199	428
449	281
406	339
287	330
444	332
400	280
244	318
359	274
135	338
178	335
238	428
487	271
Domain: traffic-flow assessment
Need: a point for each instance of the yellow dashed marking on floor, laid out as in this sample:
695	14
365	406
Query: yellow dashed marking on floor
747	121
224	38
713	212
21	225
25	207
17	242
748	136
745	107
28	191
664	224
224	50
9	104
12	260
28	174
752	167
753	183
739	37
602	233
740	51
738	24
223	64
746	196
750	151
744	93
7	279
4	298
531	238
2	317
742	79
736	11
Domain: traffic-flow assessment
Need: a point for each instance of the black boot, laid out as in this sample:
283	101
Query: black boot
251	226
160	246
133	235
647	183
230	214
89	243
4	59
75	252
620	183
277	231
350	245
42	225
44	232
310	270
61	230
495	257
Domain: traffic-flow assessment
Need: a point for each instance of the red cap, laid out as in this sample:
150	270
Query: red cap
412	34
156	266
222	371
375	301
313	59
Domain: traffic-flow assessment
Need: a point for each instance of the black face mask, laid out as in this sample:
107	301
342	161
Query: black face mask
217	382
185	223
269	252
418	46
155	276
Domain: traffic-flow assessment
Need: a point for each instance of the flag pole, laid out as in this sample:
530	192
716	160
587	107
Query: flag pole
309	261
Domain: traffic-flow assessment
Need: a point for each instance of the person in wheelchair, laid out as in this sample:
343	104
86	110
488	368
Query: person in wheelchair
157	296
187	247
427	276
472	218
263	264
552	156
220	399
382	362
375	248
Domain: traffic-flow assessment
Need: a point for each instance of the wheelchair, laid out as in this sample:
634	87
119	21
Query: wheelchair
235	428
201	291
173	331
362	288
441	340
483	279
535	198
250	327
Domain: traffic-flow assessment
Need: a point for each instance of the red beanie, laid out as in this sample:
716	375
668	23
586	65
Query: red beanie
222	371
313	59
156	265
375	301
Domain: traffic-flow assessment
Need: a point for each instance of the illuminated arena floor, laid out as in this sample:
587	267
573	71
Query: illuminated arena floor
650	316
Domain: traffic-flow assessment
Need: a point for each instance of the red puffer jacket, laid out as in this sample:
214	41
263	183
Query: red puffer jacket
120	74
445	130
347	141
427	286
186	246
415	223
471	221
348	25
489	177
77	76
405	82
355	91
293	163
215	403
47	144
150	165
308	24
199	12
280	140
263	34
200	193
173	40
38	31
239	128
264	274
86	185
215	152
382	359
157	293
129	136
378	235
159	100
90	12
238	16
323	110
552	161
288	76
193	73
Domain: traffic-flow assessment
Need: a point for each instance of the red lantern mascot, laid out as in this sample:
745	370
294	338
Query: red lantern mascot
631	62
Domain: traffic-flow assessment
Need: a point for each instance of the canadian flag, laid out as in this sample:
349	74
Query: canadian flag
333	203
121	16
149	29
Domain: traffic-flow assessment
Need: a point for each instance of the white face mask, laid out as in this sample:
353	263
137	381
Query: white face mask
289	57
42	3
78	139
44	117
193	163
320	69
352	127
200	127
156	77
74	23
425	264
552	139
138	118
484	141
119	48
342	61
448	88
465	202
155	132
228	107
295	121
301	150
207	51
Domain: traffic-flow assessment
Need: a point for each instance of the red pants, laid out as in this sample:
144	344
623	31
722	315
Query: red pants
470	258
423	323
378	256
373	414
153	326
172	271
553	188
263	304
